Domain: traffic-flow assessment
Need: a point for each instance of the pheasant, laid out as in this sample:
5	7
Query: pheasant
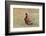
27	19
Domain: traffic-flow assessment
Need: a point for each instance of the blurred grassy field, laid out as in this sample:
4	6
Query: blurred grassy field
19	15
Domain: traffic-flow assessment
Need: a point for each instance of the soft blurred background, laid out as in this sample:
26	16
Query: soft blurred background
19	15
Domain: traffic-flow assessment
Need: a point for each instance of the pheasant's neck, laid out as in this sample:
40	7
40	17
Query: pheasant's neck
26	16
